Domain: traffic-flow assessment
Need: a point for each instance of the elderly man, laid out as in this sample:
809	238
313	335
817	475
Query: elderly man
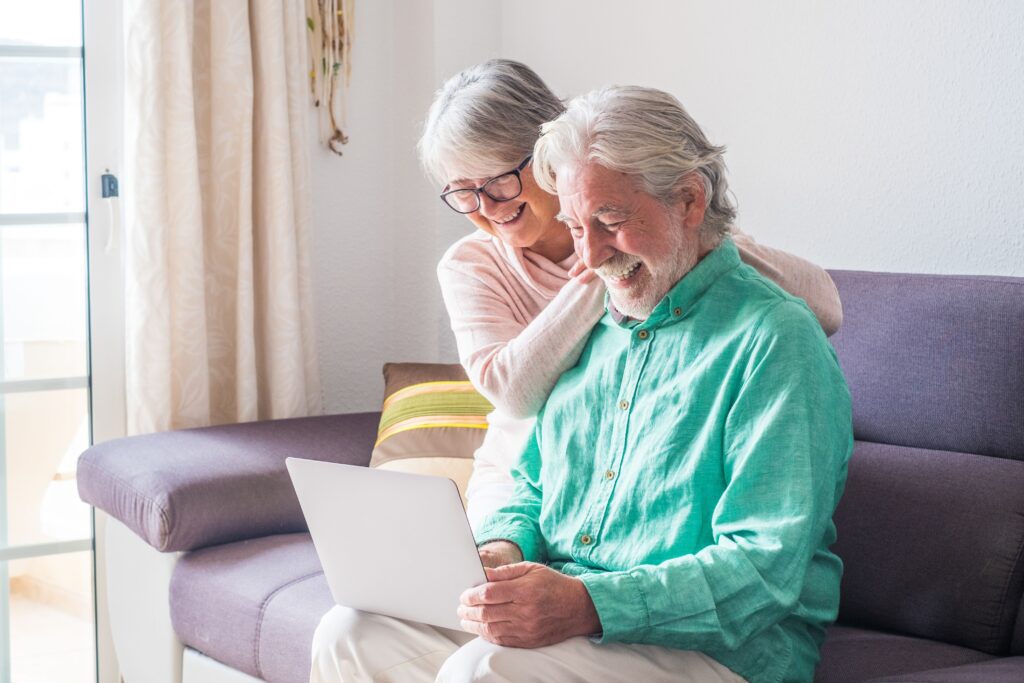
673	510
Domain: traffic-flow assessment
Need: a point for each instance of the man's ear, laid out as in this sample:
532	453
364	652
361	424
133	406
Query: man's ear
692	200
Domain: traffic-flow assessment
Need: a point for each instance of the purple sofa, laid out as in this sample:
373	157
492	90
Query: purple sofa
931	528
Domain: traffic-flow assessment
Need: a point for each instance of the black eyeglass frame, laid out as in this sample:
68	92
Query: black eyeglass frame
517	172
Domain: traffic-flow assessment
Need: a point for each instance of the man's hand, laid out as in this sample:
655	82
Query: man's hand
498	553
528	605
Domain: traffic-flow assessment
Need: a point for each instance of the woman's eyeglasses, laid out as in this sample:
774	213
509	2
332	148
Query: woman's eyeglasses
500	188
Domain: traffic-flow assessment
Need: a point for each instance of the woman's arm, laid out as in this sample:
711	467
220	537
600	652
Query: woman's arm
797	276
511	361
515	363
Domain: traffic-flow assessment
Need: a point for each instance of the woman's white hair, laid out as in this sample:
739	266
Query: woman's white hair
644	133
485	120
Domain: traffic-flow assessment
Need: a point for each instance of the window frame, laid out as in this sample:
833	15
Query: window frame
103	46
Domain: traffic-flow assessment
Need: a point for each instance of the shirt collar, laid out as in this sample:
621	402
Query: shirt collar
681	298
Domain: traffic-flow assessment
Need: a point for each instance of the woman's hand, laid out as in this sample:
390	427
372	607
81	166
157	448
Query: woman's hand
582	273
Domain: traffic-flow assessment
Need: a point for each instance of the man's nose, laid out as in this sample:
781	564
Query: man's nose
594	247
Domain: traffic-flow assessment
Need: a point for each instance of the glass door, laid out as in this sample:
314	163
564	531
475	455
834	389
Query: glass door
47	628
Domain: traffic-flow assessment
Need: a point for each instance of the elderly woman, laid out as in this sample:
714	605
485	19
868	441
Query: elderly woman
521	308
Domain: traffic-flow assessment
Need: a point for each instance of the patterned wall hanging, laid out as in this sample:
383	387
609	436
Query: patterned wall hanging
330	54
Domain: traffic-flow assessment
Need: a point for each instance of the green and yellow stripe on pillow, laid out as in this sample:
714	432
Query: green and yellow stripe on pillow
432	405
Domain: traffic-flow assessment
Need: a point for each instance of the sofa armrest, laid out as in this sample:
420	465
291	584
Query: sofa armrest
187	489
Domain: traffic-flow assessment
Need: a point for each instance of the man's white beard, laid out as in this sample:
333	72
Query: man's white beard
640	300
638	308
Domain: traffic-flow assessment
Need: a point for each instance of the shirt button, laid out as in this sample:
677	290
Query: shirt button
624	404
677	311
610	474
643	334
585	539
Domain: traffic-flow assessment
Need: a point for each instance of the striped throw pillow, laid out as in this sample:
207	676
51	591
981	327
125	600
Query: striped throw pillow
432	421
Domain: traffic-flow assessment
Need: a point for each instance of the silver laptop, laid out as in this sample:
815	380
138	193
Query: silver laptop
392	543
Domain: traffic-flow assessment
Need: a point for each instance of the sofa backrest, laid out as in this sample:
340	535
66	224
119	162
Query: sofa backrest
935	361
931	527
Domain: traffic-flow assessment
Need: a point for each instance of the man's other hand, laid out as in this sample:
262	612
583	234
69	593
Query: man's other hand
499	553
528	605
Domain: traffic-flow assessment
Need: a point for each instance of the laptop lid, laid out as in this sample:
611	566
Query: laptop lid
392	543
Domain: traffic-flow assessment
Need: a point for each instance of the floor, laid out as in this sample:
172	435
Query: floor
49	645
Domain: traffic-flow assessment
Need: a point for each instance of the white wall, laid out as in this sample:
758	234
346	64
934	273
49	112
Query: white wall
379	228
870	135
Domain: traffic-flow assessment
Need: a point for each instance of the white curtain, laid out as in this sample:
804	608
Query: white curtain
218	295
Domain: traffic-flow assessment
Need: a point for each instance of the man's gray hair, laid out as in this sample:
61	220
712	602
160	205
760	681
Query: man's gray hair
485	120
642	132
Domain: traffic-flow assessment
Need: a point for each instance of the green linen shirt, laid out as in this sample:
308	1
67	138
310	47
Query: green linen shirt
687	469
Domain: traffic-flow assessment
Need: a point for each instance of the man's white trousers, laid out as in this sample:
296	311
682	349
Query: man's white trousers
351	646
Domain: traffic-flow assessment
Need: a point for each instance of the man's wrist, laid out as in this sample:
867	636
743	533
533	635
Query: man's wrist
489	541
589	620
524	535
499	551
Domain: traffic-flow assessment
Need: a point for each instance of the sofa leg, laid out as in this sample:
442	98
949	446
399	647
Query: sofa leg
138	587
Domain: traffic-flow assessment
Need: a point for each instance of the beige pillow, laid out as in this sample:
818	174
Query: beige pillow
432	421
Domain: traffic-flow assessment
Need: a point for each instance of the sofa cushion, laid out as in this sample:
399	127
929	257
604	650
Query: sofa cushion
288	625
853	654
932	544
252	605
196	487
996	671
935	361
1017	644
